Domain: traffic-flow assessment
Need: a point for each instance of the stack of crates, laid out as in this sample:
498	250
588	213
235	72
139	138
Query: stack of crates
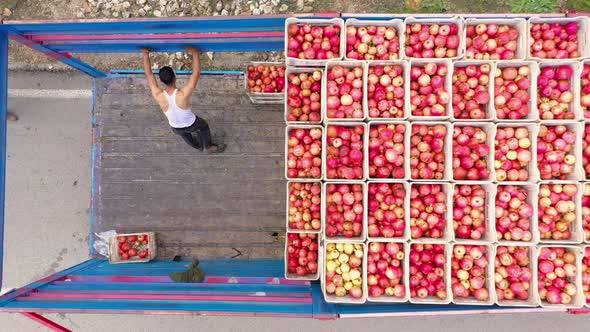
416	197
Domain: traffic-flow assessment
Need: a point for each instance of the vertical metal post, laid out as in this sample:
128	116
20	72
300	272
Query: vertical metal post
3	114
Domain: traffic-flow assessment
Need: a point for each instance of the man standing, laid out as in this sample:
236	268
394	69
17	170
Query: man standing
175	103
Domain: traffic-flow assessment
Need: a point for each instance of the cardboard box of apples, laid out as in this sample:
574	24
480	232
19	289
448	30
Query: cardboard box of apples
132	248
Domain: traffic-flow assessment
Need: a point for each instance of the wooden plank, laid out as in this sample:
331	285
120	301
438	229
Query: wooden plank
115	160
193	196
206	221
182	175
219	239
275	133
176	145
179	190
222	252
174	205
213	115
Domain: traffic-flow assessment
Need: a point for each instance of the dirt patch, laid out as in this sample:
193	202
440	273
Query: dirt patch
43	10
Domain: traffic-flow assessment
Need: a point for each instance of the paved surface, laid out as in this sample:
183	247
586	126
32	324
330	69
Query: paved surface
46	229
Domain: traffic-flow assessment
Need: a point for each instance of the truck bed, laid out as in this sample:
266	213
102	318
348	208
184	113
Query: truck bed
146	178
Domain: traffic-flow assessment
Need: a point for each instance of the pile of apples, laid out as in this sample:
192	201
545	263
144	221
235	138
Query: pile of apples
303	97
512	92
556	157
586	212
586	150
557	211
427	151
512	153
554	40
585	91
311	42
386	210
302	253
344	152
469	212
345	93
344	210
432	40
469	272
586	274
470	153
266	78
304	153
428	210
385	270
471	95
372	43
428	94
555	93
491	42
344	270
387	151
557	273
385	91
133	247
513	214
305	205
427	271
513	273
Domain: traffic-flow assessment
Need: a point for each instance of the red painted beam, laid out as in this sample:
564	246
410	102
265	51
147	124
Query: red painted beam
59	296
45	322
156	312
581	311
210	279
184	292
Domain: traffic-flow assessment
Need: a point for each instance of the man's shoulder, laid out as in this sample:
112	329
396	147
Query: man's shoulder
158	92
180	93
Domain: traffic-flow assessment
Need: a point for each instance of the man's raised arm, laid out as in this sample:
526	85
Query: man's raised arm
191	85
147	67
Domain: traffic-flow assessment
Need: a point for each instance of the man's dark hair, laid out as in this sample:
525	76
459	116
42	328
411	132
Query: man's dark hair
167	75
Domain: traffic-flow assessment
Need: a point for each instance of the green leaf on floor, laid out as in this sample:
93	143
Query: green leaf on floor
193	274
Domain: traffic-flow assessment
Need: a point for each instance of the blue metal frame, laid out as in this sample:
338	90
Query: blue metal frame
252	278
134	72
255	287
63	57
3	117
12	296
93	157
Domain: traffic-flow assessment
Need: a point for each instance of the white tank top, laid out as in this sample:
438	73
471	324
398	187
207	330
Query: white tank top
178	117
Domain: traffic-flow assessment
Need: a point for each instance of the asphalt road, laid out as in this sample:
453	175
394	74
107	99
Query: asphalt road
48	189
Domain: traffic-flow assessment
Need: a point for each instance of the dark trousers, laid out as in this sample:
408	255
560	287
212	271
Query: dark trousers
196	135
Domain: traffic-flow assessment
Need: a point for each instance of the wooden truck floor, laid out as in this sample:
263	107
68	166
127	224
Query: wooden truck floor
146	178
